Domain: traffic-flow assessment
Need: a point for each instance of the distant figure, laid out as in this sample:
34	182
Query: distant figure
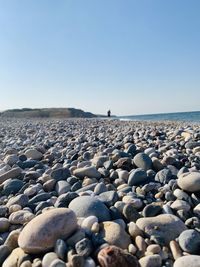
109	113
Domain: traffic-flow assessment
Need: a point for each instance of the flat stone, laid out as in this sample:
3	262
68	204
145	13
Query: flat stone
13	173
165	226
41	233
33	154
90	172
189	182
85	206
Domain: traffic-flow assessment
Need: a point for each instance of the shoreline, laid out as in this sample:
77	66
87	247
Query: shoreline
99	190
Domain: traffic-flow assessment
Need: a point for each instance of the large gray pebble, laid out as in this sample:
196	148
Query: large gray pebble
85	206
189	241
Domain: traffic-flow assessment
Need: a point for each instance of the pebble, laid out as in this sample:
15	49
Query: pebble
13	173
163	176
61	249
114	234
33	154
4	225
85	206
112	256
76	261
90	172
108	198
89	222
189	182
20	199
151	261
41	233
57	263
137	177
175	249
84	247
180	205
166	226
48	259
185	261
140	244
16	257
12	186
21	217
151	210
89	262
143	161
154	248
4	252
134	230
189	241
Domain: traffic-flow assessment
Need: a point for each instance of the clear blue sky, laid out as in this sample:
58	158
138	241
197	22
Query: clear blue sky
132	56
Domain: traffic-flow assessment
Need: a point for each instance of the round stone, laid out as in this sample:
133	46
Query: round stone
143	161
85	206
48	259
189	241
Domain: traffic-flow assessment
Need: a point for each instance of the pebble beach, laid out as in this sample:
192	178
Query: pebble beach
97	192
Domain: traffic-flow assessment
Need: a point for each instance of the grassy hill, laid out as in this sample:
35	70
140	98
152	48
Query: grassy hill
47	113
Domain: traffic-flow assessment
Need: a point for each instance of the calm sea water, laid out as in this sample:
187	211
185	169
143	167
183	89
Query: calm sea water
179	116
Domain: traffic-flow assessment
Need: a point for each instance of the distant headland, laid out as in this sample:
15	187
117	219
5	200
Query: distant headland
47	113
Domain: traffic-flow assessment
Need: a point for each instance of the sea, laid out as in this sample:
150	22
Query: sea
192	117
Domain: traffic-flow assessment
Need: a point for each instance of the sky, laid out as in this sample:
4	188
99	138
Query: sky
130	56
